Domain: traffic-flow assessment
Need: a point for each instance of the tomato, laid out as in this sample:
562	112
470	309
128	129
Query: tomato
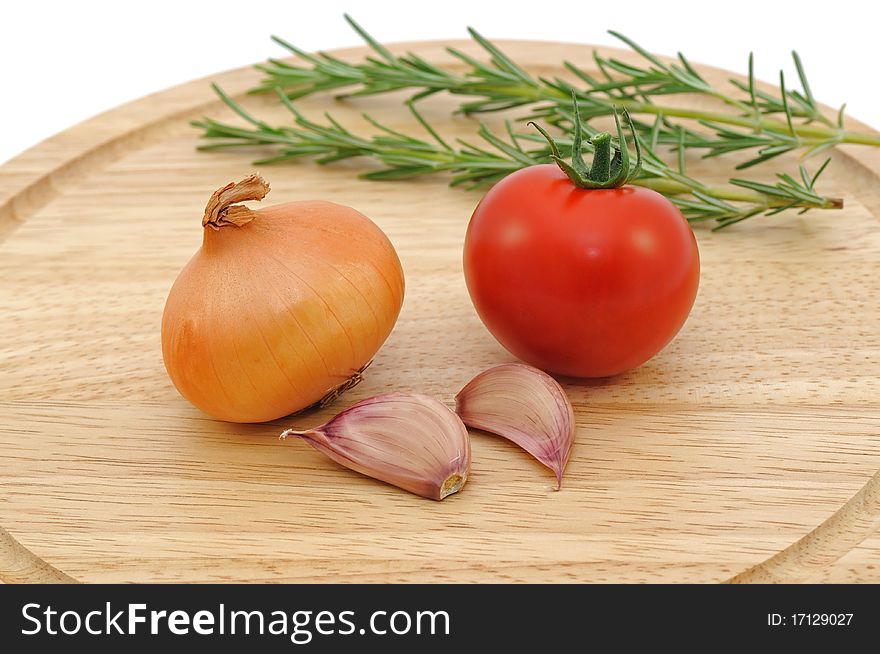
579	282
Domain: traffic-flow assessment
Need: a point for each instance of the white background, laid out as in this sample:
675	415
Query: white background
61	62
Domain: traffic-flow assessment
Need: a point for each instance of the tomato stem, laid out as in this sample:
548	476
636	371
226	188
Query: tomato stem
611	165
601	168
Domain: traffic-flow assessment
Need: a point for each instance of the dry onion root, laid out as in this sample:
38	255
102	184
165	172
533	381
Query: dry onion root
280	306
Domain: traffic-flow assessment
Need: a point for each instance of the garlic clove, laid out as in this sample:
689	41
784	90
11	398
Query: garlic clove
409	440
524	405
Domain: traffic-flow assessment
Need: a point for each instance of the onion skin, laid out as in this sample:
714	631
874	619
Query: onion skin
274	312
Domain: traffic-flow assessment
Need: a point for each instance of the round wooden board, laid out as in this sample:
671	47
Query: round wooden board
753	428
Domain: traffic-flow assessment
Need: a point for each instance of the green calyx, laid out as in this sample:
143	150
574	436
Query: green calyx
611	165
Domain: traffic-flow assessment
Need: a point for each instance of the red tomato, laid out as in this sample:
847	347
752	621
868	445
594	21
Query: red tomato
586	283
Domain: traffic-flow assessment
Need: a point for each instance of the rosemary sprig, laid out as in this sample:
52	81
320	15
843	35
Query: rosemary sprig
757	120
472	166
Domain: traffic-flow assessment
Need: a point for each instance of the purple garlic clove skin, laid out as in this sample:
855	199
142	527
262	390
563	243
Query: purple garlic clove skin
409	440
524	405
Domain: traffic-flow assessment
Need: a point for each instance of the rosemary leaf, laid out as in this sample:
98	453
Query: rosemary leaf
404	156
501	84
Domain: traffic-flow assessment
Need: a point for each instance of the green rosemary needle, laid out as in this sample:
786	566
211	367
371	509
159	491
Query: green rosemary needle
405	156
770	124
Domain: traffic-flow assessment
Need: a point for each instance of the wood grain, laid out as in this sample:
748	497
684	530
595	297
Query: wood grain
726	456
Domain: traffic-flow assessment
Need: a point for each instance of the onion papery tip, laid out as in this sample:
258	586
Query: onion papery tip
223	208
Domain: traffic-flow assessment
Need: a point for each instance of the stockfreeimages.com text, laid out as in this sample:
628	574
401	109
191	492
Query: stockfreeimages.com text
299	626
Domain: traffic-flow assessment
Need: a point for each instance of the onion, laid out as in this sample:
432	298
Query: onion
281	306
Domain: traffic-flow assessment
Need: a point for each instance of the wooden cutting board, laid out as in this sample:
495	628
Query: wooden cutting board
747	439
